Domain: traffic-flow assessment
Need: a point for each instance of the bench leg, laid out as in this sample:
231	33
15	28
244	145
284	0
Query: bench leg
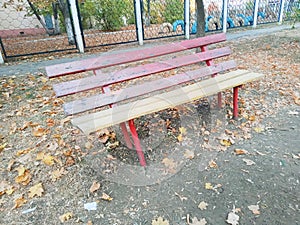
235	102
219	100
126	135
137	143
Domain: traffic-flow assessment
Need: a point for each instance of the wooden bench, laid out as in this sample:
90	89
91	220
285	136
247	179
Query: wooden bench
125	104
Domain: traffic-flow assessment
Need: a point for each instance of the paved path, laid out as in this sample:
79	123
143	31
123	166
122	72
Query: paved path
37	67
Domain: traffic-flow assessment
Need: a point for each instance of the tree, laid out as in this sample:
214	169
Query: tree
42	7
200	18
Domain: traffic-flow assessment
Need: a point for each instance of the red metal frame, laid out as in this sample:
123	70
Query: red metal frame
235	102
137	143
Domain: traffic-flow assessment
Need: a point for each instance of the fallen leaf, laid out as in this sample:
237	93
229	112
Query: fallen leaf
19	202
232	218
170	164
24	176
254	209
88	145
160	221
180	137
65	217
95	186
36	190
212	164
106	197
249	162
195	221
2	147
189	154
258	129
48	160
10	190
39	132
202	205
239	151
25	151
182	130
89	223
225	142
57	174
208	186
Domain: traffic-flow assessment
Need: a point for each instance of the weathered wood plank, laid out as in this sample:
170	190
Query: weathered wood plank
95	121
130	56
99	80
100	100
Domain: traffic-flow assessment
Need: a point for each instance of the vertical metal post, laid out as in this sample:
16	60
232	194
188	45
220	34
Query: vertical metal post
225	14
187	19
1	58
235	102
280	18
76	25
256	3
138	16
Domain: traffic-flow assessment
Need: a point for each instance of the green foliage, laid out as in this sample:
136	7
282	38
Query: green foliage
109	13
87	10
250	5
174	10
294	15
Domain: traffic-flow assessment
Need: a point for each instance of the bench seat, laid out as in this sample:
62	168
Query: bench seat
122	113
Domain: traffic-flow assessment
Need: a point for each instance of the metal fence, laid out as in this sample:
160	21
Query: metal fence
110	22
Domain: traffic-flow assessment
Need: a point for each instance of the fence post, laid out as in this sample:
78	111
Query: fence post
225	11
256	3
1	57
280	18
76	25
139	24
187	18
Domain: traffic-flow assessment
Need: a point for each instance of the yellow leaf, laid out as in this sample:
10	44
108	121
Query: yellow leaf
48	160
225	142
21	170
10	190
106	197
36	190
25	151
65	217
160	221
2	147
182	130
19	202
180	138
208	186
258	129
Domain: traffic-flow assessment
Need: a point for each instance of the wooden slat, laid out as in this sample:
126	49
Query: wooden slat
95	121
88	83
100	100
130	56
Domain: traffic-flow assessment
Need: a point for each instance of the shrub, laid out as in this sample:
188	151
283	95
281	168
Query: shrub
174	10
294	15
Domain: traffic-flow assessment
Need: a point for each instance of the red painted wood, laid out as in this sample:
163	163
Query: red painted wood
130	56
101	100
88	83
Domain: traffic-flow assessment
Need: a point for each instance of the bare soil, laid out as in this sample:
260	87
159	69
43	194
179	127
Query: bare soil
247	167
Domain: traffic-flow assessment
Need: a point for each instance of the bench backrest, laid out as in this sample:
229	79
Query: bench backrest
103	80
130	56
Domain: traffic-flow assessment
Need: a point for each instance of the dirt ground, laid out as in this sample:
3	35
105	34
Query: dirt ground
203	167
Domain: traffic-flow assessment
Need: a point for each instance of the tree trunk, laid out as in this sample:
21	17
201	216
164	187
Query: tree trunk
39	18
64	7
200	18
56	20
